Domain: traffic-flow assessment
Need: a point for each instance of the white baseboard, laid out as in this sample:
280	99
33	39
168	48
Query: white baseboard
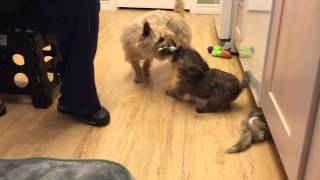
206	9
111	5
108	5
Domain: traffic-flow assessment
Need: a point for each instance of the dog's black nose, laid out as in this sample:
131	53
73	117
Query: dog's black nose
161	40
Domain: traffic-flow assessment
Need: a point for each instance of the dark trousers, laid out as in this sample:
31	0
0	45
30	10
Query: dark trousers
76	25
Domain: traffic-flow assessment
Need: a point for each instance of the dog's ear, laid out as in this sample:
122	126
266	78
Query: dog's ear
146	29
169	23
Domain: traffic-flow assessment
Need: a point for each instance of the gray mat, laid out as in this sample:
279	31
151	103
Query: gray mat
54	169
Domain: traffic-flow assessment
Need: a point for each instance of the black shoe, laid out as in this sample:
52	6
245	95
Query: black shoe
3	109
100	118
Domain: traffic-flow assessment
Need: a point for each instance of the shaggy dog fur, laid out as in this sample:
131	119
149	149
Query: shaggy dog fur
142	38
253	130
210	89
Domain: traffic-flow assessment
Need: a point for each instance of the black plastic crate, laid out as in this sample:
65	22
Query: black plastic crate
38	65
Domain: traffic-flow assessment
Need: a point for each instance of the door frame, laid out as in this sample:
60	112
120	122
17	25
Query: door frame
112	5
312	168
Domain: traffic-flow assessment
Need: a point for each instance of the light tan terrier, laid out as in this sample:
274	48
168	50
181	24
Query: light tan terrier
146	36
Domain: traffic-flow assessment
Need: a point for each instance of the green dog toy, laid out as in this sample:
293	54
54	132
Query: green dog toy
218	51
246	52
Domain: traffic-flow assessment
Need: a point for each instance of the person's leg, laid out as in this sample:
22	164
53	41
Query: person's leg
77	41
76	23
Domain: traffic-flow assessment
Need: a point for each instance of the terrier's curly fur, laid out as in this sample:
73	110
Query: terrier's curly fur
142	38
210	89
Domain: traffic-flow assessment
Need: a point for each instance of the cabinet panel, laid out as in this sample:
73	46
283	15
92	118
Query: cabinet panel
289	87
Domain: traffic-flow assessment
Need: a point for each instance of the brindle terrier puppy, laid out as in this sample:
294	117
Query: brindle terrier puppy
210	90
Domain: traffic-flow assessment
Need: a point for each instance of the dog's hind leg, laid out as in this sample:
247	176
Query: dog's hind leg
213	104
146	67
201	104
138	71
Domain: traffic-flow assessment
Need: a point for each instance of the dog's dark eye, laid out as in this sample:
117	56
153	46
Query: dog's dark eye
161	39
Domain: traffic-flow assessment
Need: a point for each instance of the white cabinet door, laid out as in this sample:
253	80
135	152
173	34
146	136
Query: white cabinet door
290	86
259	5
155	4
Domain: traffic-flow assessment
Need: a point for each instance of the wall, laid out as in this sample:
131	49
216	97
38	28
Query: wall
208	1
202	7
201	1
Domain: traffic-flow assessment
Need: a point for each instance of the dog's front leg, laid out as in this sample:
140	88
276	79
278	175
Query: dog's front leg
174	93
146	67
138	71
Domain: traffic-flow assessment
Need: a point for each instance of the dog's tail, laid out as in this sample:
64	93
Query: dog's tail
246	81
245	140
179	7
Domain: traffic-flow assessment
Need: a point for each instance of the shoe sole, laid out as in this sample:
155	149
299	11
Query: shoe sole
3	112
3	109
83	119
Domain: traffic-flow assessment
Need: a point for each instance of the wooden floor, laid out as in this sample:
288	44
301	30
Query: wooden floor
156	137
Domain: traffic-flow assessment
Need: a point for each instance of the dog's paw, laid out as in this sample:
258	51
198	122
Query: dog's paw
138	80
174	61
201	110
170	92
